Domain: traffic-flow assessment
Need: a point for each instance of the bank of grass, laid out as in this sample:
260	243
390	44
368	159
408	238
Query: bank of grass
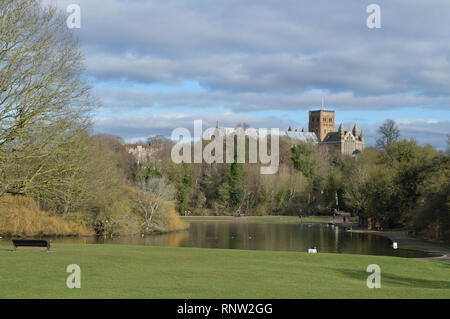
258	219
116	271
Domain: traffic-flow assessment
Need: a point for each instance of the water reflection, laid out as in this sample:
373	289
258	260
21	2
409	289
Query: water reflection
285	237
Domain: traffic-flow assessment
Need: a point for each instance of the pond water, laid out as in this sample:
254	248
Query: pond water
263	236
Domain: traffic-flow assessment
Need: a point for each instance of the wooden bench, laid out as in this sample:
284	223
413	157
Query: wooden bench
31	243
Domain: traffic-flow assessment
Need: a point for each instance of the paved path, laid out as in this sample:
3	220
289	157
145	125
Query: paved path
407	240
404	239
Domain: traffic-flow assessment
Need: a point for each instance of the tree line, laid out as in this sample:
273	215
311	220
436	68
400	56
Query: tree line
396	184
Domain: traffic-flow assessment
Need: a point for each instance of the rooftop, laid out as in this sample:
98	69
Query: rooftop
328	111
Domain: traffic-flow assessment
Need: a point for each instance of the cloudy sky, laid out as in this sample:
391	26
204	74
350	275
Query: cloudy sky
159	64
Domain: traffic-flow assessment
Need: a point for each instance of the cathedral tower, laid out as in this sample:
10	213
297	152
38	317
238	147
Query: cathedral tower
321	122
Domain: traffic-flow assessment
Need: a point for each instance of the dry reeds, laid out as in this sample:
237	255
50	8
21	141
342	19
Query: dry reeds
21	216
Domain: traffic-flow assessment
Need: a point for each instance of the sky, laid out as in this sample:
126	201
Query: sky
158	65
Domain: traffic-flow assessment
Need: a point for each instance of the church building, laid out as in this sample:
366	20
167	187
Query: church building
350	142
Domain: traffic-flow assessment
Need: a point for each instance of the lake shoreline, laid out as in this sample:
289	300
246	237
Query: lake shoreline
411	242
258	219
401	238
405	241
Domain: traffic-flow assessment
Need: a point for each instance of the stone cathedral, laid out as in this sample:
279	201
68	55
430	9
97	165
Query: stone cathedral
321	131
321	122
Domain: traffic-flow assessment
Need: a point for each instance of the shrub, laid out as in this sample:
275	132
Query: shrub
118	219
156	213
21	216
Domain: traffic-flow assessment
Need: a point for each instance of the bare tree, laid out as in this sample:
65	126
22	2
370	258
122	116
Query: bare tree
158	140
43	99
389	133
153	193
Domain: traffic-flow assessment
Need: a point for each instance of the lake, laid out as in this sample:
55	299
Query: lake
263	236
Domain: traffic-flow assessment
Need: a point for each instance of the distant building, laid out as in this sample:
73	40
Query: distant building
141	152
322	130
321	122
300	136
350	142
293	135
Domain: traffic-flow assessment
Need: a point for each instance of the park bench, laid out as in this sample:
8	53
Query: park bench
30	243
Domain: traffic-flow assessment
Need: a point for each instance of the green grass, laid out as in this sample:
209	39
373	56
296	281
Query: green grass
115	271
258	219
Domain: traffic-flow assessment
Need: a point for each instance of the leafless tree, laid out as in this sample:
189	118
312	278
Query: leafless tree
389	133
153	193
43	99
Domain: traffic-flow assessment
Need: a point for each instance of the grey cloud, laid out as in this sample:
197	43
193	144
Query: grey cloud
255	46
252	55
251	101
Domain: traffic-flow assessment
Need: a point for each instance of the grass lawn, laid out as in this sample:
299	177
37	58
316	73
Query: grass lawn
116	271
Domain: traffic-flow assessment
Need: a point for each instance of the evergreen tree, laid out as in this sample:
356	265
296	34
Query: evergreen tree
184	190
236	184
